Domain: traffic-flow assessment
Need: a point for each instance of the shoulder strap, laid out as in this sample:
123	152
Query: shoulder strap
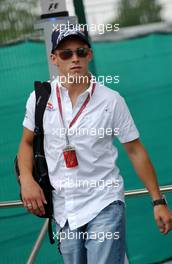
42	92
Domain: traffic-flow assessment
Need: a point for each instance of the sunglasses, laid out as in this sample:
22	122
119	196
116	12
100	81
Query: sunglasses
67	54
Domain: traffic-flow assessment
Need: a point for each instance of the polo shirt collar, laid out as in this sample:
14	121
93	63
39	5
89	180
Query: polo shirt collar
64	90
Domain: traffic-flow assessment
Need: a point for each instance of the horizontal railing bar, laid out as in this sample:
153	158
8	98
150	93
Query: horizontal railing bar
17	203
136	192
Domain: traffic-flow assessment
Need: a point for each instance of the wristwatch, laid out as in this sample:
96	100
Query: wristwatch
160	201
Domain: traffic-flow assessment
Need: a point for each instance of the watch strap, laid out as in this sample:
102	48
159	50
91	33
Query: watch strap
160	201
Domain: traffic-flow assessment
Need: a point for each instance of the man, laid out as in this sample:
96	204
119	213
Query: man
91	218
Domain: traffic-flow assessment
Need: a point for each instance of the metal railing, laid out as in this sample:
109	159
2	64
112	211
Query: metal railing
37	245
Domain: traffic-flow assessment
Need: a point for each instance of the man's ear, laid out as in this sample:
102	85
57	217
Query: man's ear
53	58
90	55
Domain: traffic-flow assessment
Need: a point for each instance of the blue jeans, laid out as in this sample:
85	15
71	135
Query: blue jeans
101	241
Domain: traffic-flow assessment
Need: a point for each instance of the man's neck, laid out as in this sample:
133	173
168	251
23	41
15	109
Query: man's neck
76	88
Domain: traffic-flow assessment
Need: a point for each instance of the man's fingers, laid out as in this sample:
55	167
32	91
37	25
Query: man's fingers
41	206
35	206
43	196
160	224
165	225
168	225
28	205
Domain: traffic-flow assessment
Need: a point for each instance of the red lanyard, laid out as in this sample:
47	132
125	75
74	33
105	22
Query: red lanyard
81	109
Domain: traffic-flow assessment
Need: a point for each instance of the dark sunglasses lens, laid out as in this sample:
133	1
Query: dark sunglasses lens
82	52
65	54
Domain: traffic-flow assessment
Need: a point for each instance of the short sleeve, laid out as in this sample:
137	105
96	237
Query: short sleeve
29	119
123	122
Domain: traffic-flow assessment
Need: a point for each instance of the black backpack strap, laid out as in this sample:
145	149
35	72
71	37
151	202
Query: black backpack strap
50	231
42	92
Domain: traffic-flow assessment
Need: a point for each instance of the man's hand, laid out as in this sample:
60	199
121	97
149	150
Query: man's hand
32	196
163	218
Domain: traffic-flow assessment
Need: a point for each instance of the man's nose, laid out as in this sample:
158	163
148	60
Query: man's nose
75	56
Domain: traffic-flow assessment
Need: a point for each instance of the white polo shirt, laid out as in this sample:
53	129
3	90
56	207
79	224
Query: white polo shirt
82	192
